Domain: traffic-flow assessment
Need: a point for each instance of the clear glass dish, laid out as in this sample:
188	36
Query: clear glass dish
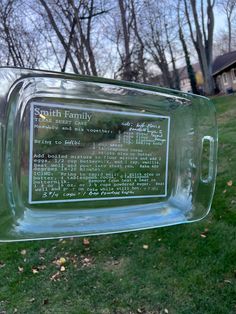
84	155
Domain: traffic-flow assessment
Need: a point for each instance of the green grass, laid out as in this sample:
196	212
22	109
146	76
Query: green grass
180	271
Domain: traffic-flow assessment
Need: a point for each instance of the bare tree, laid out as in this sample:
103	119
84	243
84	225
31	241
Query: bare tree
229	9
125	37
124	33
221	42
131	44
190	70
175	72
72	23
56	27
160	33
138	36
126	21
18	40
200	18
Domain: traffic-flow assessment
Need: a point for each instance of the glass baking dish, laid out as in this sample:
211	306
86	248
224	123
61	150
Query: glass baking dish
85	155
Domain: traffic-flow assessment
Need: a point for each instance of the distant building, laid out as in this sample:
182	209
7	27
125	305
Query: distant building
185	84
224	72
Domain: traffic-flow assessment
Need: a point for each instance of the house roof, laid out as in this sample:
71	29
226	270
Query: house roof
224	61
183	71
183	74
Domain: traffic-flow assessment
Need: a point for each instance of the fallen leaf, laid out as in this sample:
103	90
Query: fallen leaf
62	260
204	233
166	311
35	270
2	265
62	241
55	276
230	183
224	191
41	267
32	300
227	281
42	250
23	252
74	259
59	262
62	268
86	261
15	311
145	246
86	241
21	269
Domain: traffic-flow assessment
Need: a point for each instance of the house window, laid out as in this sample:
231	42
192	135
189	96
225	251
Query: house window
233	74
225	78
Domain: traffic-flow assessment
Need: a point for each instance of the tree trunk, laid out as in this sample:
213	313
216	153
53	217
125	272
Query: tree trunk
203	43
230	33
141	43
190	70
127	74
59	35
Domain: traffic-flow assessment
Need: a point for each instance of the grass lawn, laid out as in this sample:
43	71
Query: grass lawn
181	269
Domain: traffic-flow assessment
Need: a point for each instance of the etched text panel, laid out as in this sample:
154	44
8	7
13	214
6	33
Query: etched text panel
79	154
